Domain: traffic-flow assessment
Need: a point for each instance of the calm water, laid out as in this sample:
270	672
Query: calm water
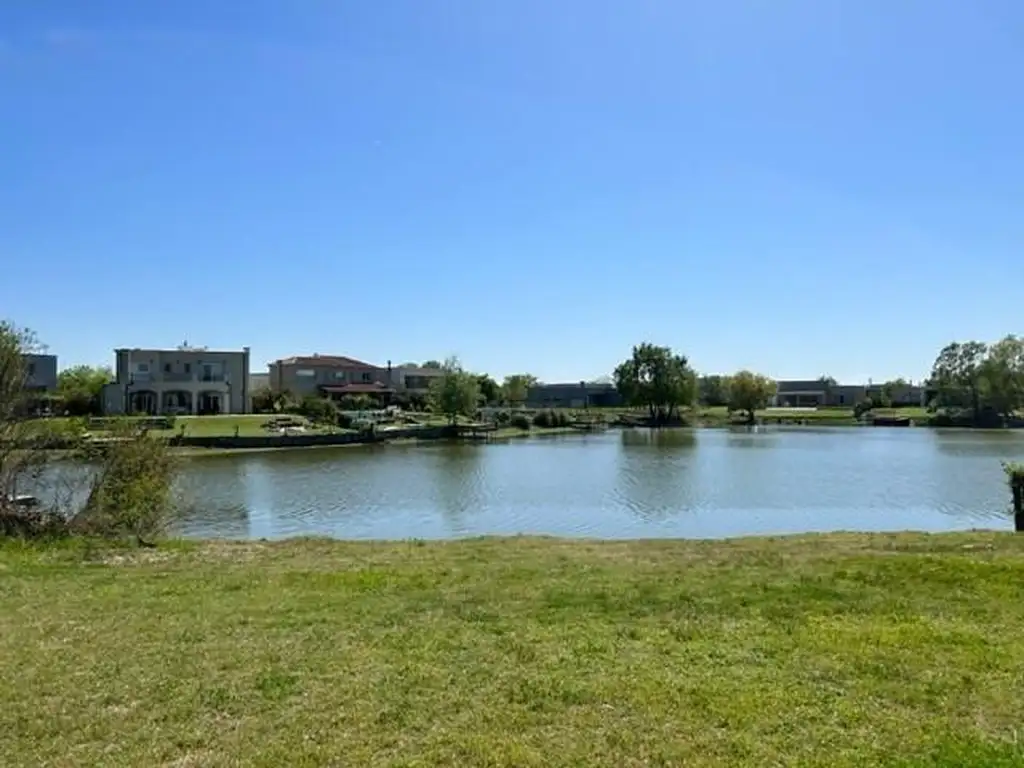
634	483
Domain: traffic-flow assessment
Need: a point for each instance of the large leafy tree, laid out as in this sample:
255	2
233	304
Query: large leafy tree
490	390
516	387
958	375
80	388
1002	375
750	392
456	393
714	391
657	379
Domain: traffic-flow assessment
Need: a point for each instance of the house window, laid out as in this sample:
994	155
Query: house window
142	367
367	378
188	367
340	375
306	373
31	369
211	372
167	367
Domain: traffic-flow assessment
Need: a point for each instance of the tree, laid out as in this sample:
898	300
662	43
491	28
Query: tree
454	394
714	391
490	391
750	392
516	387
81	388
263	400
958	375
18	465
1002	375
655	378
433	364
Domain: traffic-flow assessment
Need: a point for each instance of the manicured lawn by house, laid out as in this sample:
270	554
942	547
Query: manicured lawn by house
221	426
839	650
196	426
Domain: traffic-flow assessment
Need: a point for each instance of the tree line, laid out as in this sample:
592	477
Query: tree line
979	383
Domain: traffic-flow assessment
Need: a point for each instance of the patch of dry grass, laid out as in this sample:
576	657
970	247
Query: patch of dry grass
840	650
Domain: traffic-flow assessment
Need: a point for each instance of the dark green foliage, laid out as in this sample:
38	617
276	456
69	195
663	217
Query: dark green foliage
520	421
550	419
318	409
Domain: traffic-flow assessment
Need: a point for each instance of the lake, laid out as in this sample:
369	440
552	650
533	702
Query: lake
617	484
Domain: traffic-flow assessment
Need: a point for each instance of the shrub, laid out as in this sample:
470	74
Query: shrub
318	409
130	492
503	417
551	418
520	421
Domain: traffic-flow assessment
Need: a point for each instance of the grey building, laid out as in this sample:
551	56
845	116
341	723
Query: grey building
815	394
40	372
414	380
186	380
580	394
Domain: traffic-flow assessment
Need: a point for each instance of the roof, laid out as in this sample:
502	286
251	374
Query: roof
375	388
815	385
332	361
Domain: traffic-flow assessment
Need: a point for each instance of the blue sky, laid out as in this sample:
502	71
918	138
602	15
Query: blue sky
801	187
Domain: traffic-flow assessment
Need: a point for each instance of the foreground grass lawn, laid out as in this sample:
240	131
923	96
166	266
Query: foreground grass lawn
840	650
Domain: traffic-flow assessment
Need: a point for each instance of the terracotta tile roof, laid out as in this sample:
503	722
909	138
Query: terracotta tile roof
334	361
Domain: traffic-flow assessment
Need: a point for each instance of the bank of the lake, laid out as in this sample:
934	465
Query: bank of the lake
837	650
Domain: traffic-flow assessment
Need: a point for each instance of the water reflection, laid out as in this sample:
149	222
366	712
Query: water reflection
212	498
752	437
623	483
656	476
456	478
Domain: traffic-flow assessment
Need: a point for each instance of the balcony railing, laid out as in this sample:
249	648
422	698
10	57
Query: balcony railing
211	377
177	376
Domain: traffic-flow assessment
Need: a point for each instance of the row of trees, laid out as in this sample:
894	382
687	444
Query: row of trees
979	382
663	382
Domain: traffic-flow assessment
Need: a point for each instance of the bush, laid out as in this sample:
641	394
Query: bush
503	417
318	409
130	492
551	418
519	421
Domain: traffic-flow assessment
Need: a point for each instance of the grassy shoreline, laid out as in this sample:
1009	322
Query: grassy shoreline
830	650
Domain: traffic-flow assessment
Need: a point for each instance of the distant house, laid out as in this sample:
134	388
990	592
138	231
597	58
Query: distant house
414	380
258	381
40	372
185	380
331	376
800	394
817	394
579	394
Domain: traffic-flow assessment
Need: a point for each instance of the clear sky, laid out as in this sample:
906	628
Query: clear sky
801	187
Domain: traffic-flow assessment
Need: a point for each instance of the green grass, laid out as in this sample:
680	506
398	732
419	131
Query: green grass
840	650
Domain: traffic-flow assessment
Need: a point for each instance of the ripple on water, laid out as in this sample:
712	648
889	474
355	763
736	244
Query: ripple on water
629	483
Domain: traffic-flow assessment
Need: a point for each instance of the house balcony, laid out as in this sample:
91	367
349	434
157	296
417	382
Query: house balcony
177	376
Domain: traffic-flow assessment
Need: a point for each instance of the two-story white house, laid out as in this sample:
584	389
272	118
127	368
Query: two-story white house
186	380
